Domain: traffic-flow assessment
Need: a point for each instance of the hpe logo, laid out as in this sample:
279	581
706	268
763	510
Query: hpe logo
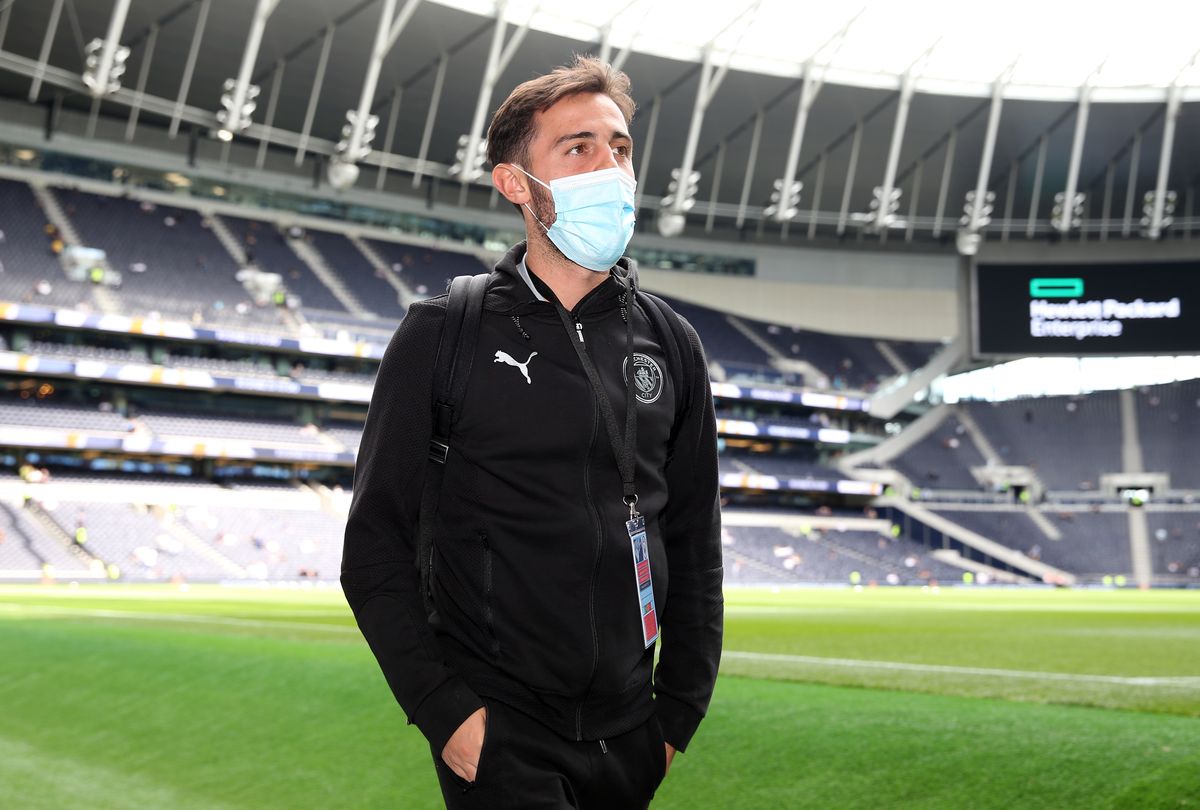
1055	287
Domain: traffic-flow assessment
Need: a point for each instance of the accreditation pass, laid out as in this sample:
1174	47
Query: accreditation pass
645	588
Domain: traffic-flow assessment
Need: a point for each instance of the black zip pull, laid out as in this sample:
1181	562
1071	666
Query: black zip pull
579	330
603	747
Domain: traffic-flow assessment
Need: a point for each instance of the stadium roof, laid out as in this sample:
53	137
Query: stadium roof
900	97
1051	49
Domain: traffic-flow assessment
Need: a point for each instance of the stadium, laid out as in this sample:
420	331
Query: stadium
945	266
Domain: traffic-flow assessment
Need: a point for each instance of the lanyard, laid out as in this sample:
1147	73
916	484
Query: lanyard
623	451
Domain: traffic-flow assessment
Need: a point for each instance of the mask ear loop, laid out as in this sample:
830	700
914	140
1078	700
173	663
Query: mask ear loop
530	210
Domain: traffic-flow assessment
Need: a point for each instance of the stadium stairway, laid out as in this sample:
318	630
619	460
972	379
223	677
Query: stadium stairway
16	529
195	543
407	296
334	503
230	242
1131	444
54	545
321	269
1139	548
56	214
105	300
884	452
950	556
896	395
59	534
991	548
889	354
984	445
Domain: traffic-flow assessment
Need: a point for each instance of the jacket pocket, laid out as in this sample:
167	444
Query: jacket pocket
488	609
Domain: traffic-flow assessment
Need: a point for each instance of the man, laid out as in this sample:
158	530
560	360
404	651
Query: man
563	539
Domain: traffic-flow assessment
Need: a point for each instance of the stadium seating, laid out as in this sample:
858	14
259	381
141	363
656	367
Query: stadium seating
426	270
267	250
60	415
27	258
765	554
353	269
132	538
849	362
168	258
1068	441
1169	430
203	425
272	543
1093	543
723	343
788	466
27	548
350	435
943	459
1175	543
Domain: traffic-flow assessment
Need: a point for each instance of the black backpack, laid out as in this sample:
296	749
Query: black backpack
452	369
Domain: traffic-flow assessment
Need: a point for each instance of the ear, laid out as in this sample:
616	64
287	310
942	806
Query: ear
513	185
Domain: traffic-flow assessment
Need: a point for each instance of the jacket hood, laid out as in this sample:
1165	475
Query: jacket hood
508	292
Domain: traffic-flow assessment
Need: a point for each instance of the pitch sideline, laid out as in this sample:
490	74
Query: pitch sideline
1183	681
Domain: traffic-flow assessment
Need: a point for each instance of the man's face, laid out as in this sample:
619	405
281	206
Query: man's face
581	133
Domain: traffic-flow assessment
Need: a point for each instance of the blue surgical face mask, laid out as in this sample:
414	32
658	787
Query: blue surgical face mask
594	216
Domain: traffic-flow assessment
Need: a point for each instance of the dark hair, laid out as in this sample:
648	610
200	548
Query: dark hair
511	130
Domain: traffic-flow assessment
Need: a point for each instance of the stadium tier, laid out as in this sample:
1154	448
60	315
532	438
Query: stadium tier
1091	545
168	258
31	271
266	248
1169	429
767	554
1068	441
353	270
172	262
425	271
1175	542
943	459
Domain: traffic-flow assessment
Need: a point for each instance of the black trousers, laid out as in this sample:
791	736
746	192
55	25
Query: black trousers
525	765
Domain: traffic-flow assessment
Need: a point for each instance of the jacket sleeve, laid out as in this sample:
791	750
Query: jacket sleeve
693	617
379	573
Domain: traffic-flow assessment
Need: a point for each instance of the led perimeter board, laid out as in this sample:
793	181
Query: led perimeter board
1086	309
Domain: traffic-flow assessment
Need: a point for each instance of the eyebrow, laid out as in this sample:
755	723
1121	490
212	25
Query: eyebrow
574	136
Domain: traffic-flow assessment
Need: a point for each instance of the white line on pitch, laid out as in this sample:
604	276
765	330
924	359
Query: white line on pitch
187	618
853	663
858	663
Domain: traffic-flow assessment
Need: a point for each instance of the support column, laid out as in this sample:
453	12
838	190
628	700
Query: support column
315	94
1157	217
189	68
102	80
143	75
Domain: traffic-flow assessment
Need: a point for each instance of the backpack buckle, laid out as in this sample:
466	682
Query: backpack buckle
438	451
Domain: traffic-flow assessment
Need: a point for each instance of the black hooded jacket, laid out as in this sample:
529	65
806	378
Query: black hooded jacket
534	593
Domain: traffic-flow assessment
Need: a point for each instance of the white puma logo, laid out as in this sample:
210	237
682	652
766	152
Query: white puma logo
505	357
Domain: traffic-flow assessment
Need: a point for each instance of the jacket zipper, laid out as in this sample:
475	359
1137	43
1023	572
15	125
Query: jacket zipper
587	489
487	591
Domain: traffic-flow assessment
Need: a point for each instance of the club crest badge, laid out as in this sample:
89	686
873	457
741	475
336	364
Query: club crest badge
647	378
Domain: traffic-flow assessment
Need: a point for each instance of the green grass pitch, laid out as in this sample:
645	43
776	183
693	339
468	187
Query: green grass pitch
233	699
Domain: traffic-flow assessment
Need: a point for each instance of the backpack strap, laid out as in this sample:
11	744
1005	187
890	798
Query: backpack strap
451	372
679	354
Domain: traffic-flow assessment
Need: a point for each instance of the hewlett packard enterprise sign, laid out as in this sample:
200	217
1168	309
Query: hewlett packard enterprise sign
1101	309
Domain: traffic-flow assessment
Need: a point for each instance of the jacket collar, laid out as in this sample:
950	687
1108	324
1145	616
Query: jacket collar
510	290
